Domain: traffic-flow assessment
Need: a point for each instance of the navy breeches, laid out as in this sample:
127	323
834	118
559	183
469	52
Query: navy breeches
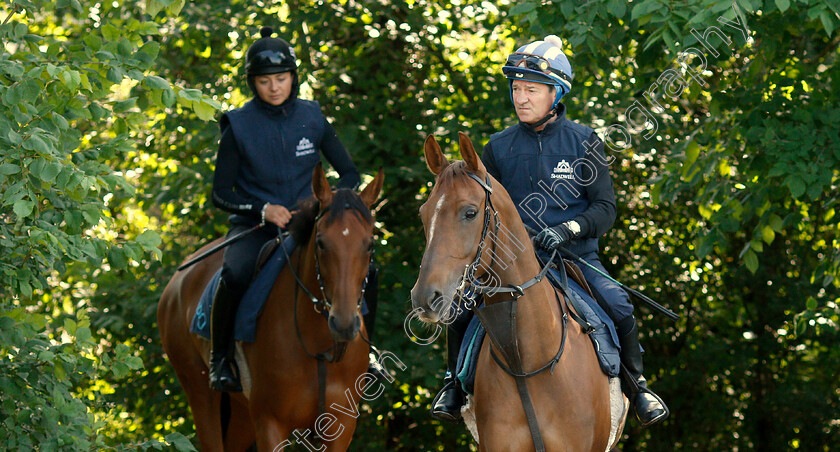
611	297
241	257
614	300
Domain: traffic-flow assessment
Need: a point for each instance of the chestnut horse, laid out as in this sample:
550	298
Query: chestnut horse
568	394
280	375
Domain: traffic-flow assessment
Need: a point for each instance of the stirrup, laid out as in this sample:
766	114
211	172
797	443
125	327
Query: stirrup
656	419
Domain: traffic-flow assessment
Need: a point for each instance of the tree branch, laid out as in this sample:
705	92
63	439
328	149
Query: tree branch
11	13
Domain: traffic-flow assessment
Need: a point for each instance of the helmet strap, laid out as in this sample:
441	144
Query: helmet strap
544	120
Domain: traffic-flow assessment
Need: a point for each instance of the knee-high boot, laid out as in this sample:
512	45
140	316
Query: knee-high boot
222	374
448	402
649	407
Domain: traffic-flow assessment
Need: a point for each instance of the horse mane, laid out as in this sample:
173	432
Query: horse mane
308	209
304	221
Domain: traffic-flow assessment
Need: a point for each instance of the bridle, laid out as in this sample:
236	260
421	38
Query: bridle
322	305
474	285
495	323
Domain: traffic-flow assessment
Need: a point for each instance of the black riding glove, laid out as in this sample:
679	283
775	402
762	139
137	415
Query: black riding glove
550	239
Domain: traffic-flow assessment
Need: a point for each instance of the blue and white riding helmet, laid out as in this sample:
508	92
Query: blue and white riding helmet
541	62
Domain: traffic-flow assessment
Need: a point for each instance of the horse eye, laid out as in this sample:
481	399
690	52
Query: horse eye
470	214
319	243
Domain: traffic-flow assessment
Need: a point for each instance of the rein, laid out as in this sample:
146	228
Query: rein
334	353
500	319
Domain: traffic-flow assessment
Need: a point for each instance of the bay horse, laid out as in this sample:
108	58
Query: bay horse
280	374
558	372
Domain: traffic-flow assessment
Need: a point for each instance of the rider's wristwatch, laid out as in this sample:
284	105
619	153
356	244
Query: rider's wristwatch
573	226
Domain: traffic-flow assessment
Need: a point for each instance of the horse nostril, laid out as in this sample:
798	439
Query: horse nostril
346	332
435	301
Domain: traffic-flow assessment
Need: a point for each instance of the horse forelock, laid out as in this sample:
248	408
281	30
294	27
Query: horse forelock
345	199
452	172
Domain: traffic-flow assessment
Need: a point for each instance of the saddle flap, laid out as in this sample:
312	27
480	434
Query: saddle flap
266	252
499	320
576	274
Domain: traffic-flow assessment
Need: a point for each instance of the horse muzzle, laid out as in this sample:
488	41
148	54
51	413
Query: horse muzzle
344	331
430	304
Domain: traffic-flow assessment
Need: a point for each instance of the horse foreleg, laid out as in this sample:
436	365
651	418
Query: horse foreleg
346	425
272	435
239	435
205	406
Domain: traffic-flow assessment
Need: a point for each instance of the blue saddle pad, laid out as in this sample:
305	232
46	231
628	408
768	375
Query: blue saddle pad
604	337
252	302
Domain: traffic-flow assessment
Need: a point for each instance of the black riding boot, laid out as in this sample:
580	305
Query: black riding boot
222	315
448	402
649	407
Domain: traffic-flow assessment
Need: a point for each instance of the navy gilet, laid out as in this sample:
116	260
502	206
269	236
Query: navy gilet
544	173
279	149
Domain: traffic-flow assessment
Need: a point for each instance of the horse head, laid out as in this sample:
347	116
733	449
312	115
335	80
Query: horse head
454	221
343	248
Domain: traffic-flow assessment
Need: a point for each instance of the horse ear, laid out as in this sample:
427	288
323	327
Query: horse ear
469	155
320	187
435	159
371	192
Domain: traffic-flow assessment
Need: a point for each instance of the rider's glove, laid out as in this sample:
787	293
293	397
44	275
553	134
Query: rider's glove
551	238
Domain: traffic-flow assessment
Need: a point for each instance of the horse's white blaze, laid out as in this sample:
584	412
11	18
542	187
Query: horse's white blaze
345	232
434	217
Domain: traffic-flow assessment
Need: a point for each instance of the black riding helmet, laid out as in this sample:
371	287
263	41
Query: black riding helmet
270	56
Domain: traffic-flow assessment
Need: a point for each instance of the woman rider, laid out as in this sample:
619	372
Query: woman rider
266	156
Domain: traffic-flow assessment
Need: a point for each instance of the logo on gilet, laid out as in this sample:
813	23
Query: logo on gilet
563	171
304	147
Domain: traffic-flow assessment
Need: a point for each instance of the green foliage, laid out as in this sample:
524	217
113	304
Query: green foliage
70	91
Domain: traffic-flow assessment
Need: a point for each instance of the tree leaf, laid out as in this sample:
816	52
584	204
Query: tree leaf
181	443
767	234
783	5
7	169
644	8
796	185
204	110
149	239
522	8
155	82
751	260
617	8
23	208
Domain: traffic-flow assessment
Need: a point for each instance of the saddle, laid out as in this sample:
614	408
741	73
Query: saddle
265	253
271	261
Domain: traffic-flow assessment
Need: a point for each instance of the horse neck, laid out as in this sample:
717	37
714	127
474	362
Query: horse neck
304	264
539	320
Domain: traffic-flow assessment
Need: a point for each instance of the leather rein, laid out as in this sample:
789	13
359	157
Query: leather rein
499	319
471	283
